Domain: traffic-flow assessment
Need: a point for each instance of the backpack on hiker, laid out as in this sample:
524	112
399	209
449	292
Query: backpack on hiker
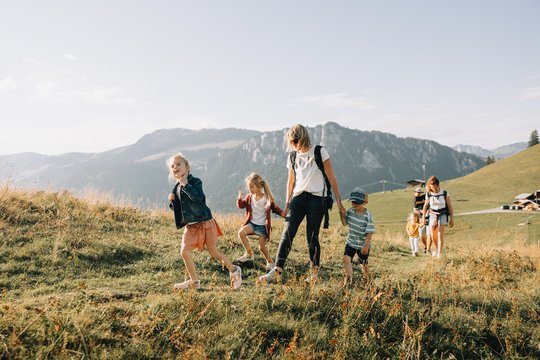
441	211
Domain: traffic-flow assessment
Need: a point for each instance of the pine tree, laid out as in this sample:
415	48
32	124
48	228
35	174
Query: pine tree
490	160
534	138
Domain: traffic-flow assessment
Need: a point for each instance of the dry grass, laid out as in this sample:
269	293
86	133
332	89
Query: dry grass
92	280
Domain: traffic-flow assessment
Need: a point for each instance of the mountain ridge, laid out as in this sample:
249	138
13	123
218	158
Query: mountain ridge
222	158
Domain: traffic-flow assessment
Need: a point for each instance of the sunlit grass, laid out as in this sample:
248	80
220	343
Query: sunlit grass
92	280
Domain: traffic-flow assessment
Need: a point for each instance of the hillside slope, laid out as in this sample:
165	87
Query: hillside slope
82	280
487	188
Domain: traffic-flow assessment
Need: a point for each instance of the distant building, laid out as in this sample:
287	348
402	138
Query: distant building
416	182
527	201
524	196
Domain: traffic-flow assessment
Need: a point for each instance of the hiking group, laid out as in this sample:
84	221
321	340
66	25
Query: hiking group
308	196
432	212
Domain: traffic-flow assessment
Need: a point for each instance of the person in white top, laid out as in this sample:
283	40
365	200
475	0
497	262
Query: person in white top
304	199
441	213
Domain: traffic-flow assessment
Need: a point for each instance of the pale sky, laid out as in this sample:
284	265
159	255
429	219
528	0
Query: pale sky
89	76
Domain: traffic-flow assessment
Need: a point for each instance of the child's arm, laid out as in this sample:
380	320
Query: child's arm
194	190
365	248
276	210
240	203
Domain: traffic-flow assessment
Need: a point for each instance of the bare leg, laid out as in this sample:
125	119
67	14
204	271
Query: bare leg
242	235
424	241
347	266
441	240
264	249
434	235
214	253
190	265
365	270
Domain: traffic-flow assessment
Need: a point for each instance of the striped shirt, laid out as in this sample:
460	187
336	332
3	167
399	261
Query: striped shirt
360	225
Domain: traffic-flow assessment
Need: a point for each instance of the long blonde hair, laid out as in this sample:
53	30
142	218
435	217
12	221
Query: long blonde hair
170	162
259	182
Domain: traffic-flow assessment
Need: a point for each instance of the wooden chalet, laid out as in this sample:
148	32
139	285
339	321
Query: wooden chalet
416	182
527	201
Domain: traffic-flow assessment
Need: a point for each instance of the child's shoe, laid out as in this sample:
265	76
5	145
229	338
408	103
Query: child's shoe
269	266
245	258
188	284
236	277
270	277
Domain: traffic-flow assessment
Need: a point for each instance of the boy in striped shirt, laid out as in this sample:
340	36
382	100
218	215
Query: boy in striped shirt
361	230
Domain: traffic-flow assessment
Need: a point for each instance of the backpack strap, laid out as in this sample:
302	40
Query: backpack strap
328	197
319	162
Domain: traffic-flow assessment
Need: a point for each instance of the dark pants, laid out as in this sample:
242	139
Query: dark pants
303	205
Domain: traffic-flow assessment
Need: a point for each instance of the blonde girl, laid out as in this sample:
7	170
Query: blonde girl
259	204
188	202
413	230
441	213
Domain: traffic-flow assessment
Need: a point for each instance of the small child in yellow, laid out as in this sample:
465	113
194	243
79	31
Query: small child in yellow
413	230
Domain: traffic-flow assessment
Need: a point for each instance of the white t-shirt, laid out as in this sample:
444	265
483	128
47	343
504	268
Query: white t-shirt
308	176
258	207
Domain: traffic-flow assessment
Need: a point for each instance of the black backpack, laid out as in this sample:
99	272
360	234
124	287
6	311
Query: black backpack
442	211
327	199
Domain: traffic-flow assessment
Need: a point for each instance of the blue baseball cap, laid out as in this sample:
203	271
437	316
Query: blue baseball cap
358	197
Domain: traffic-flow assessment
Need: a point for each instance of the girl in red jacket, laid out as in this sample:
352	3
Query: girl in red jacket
259	205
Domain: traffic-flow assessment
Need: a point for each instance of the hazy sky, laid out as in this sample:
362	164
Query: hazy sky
94	75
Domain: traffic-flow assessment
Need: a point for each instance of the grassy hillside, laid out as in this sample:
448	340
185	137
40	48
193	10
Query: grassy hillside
92	280
487	188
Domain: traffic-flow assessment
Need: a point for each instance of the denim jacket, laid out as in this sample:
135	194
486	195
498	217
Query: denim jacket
191	207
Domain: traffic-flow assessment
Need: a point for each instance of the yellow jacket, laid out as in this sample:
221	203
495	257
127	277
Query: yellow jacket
412	229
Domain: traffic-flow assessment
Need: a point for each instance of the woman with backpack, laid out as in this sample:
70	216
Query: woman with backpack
441	213
308	196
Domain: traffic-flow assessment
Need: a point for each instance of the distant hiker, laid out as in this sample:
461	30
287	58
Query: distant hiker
309	180
413	230
441	213
259	205
418	207
188	201
361	230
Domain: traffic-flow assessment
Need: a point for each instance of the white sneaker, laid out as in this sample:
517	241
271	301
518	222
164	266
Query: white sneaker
245	258
312	279
193	284
270	277
269	266
236	277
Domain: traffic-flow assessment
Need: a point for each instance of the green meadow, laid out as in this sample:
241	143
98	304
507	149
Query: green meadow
81	279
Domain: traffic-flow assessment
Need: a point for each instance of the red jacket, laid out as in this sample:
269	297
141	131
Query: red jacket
246	203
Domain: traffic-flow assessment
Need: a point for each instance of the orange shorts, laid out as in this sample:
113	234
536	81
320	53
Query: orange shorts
197	235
